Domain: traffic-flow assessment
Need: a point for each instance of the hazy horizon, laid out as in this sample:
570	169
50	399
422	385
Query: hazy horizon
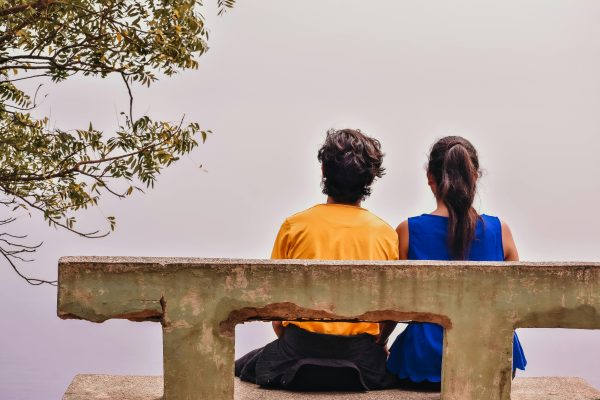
518	78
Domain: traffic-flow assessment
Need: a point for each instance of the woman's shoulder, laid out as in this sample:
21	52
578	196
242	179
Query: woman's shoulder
431	221
425	225
492	222
503	233
402	228
489	217
425	221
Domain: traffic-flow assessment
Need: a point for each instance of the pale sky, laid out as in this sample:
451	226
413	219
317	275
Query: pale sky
518	78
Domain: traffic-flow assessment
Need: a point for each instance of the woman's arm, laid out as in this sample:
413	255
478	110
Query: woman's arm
508	243
385	330
387	327
402	231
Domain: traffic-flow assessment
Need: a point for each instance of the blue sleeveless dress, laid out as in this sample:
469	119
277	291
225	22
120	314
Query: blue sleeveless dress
417	352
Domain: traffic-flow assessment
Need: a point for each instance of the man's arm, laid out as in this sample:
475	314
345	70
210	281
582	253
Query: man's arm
278	328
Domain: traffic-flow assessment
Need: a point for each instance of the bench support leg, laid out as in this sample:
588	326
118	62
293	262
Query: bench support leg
477	361
198	363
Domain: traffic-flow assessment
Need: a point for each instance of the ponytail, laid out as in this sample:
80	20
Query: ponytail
454	166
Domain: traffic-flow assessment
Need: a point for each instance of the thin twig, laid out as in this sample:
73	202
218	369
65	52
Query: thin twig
31	281
130	97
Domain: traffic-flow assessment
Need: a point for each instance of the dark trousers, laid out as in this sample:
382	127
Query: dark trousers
308	361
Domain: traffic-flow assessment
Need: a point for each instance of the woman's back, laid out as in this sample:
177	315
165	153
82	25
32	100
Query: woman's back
416	355
428	235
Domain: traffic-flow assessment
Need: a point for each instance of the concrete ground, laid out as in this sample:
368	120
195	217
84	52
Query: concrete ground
104	387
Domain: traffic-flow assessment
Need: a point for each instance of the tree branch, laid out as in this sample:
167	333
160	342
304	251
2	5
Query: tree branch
31	281
89	235
37	5
75	168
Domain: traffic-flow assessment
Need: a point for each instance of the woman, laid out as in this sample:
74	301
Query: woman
453	231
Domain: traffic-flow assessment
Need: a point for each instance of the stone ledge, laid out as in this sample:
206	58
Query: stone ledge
104	387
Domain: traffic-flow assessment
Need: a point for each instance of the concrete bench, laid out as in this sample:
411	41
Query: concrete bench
199	302
102	387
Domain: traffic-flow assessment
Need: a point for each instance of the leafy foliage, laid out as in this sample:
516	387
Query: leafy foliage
56	172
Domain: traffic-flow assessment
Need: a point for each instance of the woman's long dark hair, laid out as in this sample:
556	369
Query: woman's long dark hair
454	166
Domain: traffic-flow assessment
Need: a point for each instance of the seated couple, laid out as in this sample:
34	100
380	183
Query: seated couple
354	356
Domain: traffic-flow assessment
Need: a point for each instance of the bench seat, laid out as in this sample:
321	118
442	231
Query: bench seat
103	387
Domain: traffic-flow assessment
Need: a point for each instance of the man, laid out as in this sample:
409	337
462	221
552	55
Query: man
331	355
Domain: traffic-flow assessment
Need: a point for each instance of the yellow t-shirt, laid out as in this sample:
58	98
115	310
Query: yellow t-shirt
336	232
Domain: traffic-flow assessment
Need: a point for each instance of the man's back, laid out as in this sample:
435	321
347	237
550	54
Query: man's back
336	232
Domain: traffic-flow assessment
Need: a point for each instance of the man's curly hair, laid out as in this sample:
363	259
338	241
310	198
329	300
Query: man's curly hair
351	161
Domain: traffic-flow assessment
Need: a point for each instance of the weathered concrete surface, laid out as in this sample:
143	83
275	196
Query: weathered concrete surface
199	301
115	387
101	387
